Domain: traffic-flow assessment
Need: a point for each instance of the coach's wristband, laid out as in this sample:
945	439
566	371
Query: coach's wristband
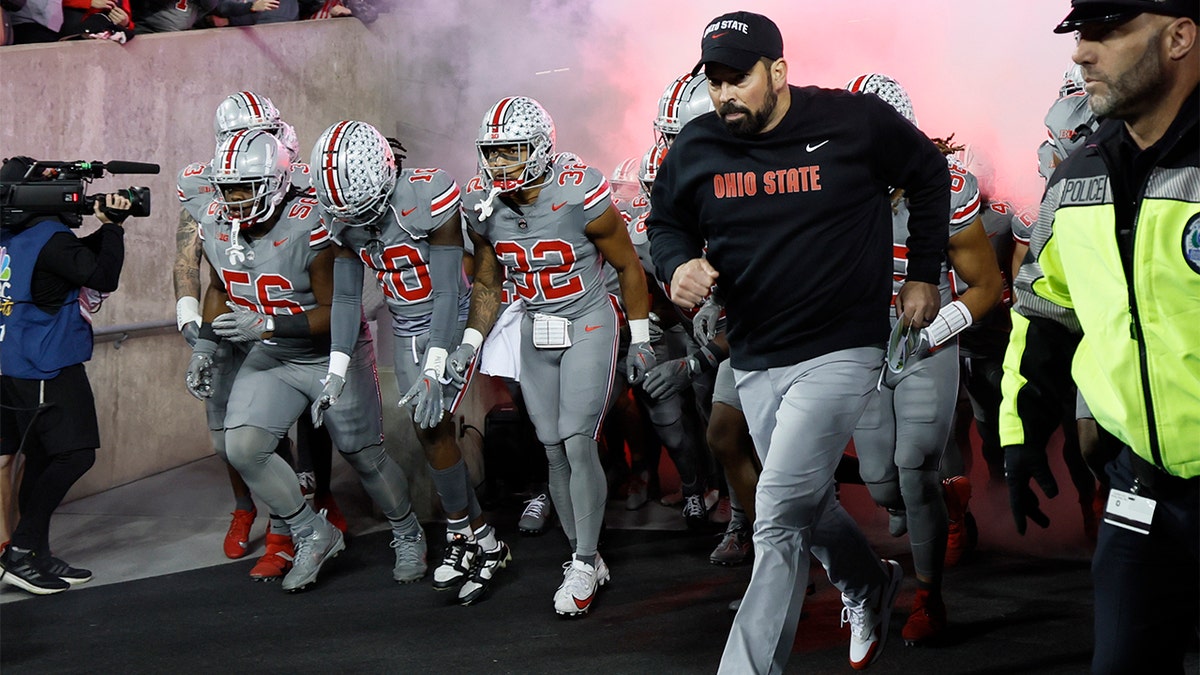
338	363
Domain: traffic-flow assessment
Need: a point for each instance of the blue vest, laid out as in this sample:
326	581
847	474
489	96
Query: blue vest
34	344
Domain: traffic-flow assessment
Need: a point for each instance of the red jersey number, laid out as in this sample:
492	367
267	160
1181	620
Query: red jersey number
401	271
264	293
535	271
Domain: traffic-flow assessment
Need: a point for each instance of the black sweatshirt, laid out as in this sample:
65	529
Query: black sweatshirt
798	221
67	262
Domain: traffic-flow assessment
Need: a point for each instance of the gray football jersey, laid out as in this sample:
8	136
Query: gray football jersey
396	247
964	207
270	275
634	212
196	189
553	265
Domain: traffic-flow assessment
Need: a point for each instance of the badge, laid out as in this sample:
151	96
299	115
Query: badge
1132	512
1191	243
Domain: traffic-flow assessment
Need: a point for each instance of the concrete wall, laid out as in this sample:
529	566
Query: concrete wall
152	100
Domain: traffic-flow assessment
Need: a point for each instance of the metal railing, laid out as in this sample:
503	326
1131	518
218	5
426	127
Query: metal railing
119	334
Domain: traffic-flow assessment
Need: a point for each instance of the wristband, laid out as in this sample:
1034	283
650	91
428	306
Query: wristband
288	326
639	330
187	310
435	362
472	337
951	320
338	362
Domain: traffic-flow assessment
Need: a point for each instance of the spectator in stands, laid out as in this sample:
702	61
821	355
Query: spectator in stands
165	16
36	21
82	17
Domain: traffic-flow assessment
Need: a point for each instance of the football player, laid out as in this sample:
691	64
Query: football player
404	226
272	266
237	112
902	433
551	223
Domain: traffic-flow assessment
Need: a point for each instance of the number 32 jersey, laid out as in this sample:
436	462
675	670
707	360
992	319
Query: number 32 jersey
553	265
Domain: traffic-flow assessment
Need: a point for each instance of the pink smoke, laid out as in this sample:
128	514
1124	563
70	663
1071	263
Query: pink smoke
985	72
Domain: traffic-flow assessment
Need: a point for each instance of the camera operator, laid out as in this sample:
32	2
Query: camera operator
46	337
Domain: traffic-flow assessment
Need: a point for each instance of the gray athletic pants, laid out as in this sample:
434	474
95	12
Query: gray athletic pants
800	418
900	441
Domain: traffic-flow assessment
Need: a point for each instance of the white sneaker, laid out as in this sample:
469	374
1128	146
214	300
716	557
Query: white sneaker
869	619
580	583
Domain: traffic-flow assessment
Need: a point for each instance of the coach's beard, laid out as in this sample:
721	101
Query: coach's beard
751	123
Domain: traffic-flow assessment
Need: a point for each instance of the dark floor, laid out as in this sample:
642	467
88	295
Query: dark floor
1017	605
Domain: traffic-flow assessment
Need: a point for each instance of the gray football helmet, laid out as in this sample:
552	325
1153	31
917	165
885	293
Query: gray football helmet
624	179
682	101
258	159
518	121
648	170
887	89
354	172
1072	81
245	110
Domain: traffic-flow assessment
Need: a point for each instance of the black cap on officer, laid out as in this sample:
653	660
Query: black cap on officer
1084	12
739	40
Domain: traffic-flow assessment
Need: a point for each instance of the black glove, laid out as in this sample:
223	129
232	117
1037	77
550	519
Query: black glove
1020	464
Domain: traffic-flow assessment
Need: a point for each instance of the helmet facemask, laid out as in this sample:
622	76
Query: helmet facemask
524	125
255	159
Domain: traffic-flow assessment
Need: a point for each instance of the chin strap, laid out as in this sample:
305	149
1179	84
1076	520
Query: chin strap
485	207
235	250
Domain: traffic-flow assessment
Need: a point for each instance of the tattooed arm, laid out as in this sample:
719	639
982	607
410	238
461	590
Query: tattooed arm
186	276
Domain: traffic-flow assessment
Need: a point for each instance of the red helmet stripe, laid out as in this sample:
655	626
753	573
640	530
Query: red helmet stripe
856	86
673	104
328	169
498	116
252	102
231	148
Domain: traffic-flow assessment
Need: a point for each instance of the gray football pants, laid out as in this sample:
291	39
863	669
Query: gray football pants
566	392
900	440
800	418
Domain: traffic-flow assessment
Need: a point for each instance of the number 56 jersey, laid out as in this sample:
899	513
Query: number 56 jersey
270	274
555	268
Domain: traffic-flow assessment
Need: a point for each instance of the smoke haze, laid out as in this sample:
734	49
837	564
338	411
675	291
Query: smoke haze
985	72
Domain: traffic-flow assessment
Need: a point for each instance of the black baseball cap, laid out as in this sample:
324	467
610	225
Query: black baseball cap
1085	12
739	40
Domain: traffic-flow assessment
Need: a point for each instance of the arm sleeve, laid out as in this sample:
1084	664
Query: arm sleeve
445	264
671	227
95	262
907	159
345	317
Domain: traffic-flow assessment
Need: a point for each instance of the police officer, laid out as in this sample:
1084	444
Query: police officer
1116	287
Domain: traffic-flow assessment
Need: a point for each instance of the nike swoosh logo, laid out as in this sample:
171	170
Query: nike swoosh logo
810	147
555	207
588	329
404	214
717	35
582	604
281	242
